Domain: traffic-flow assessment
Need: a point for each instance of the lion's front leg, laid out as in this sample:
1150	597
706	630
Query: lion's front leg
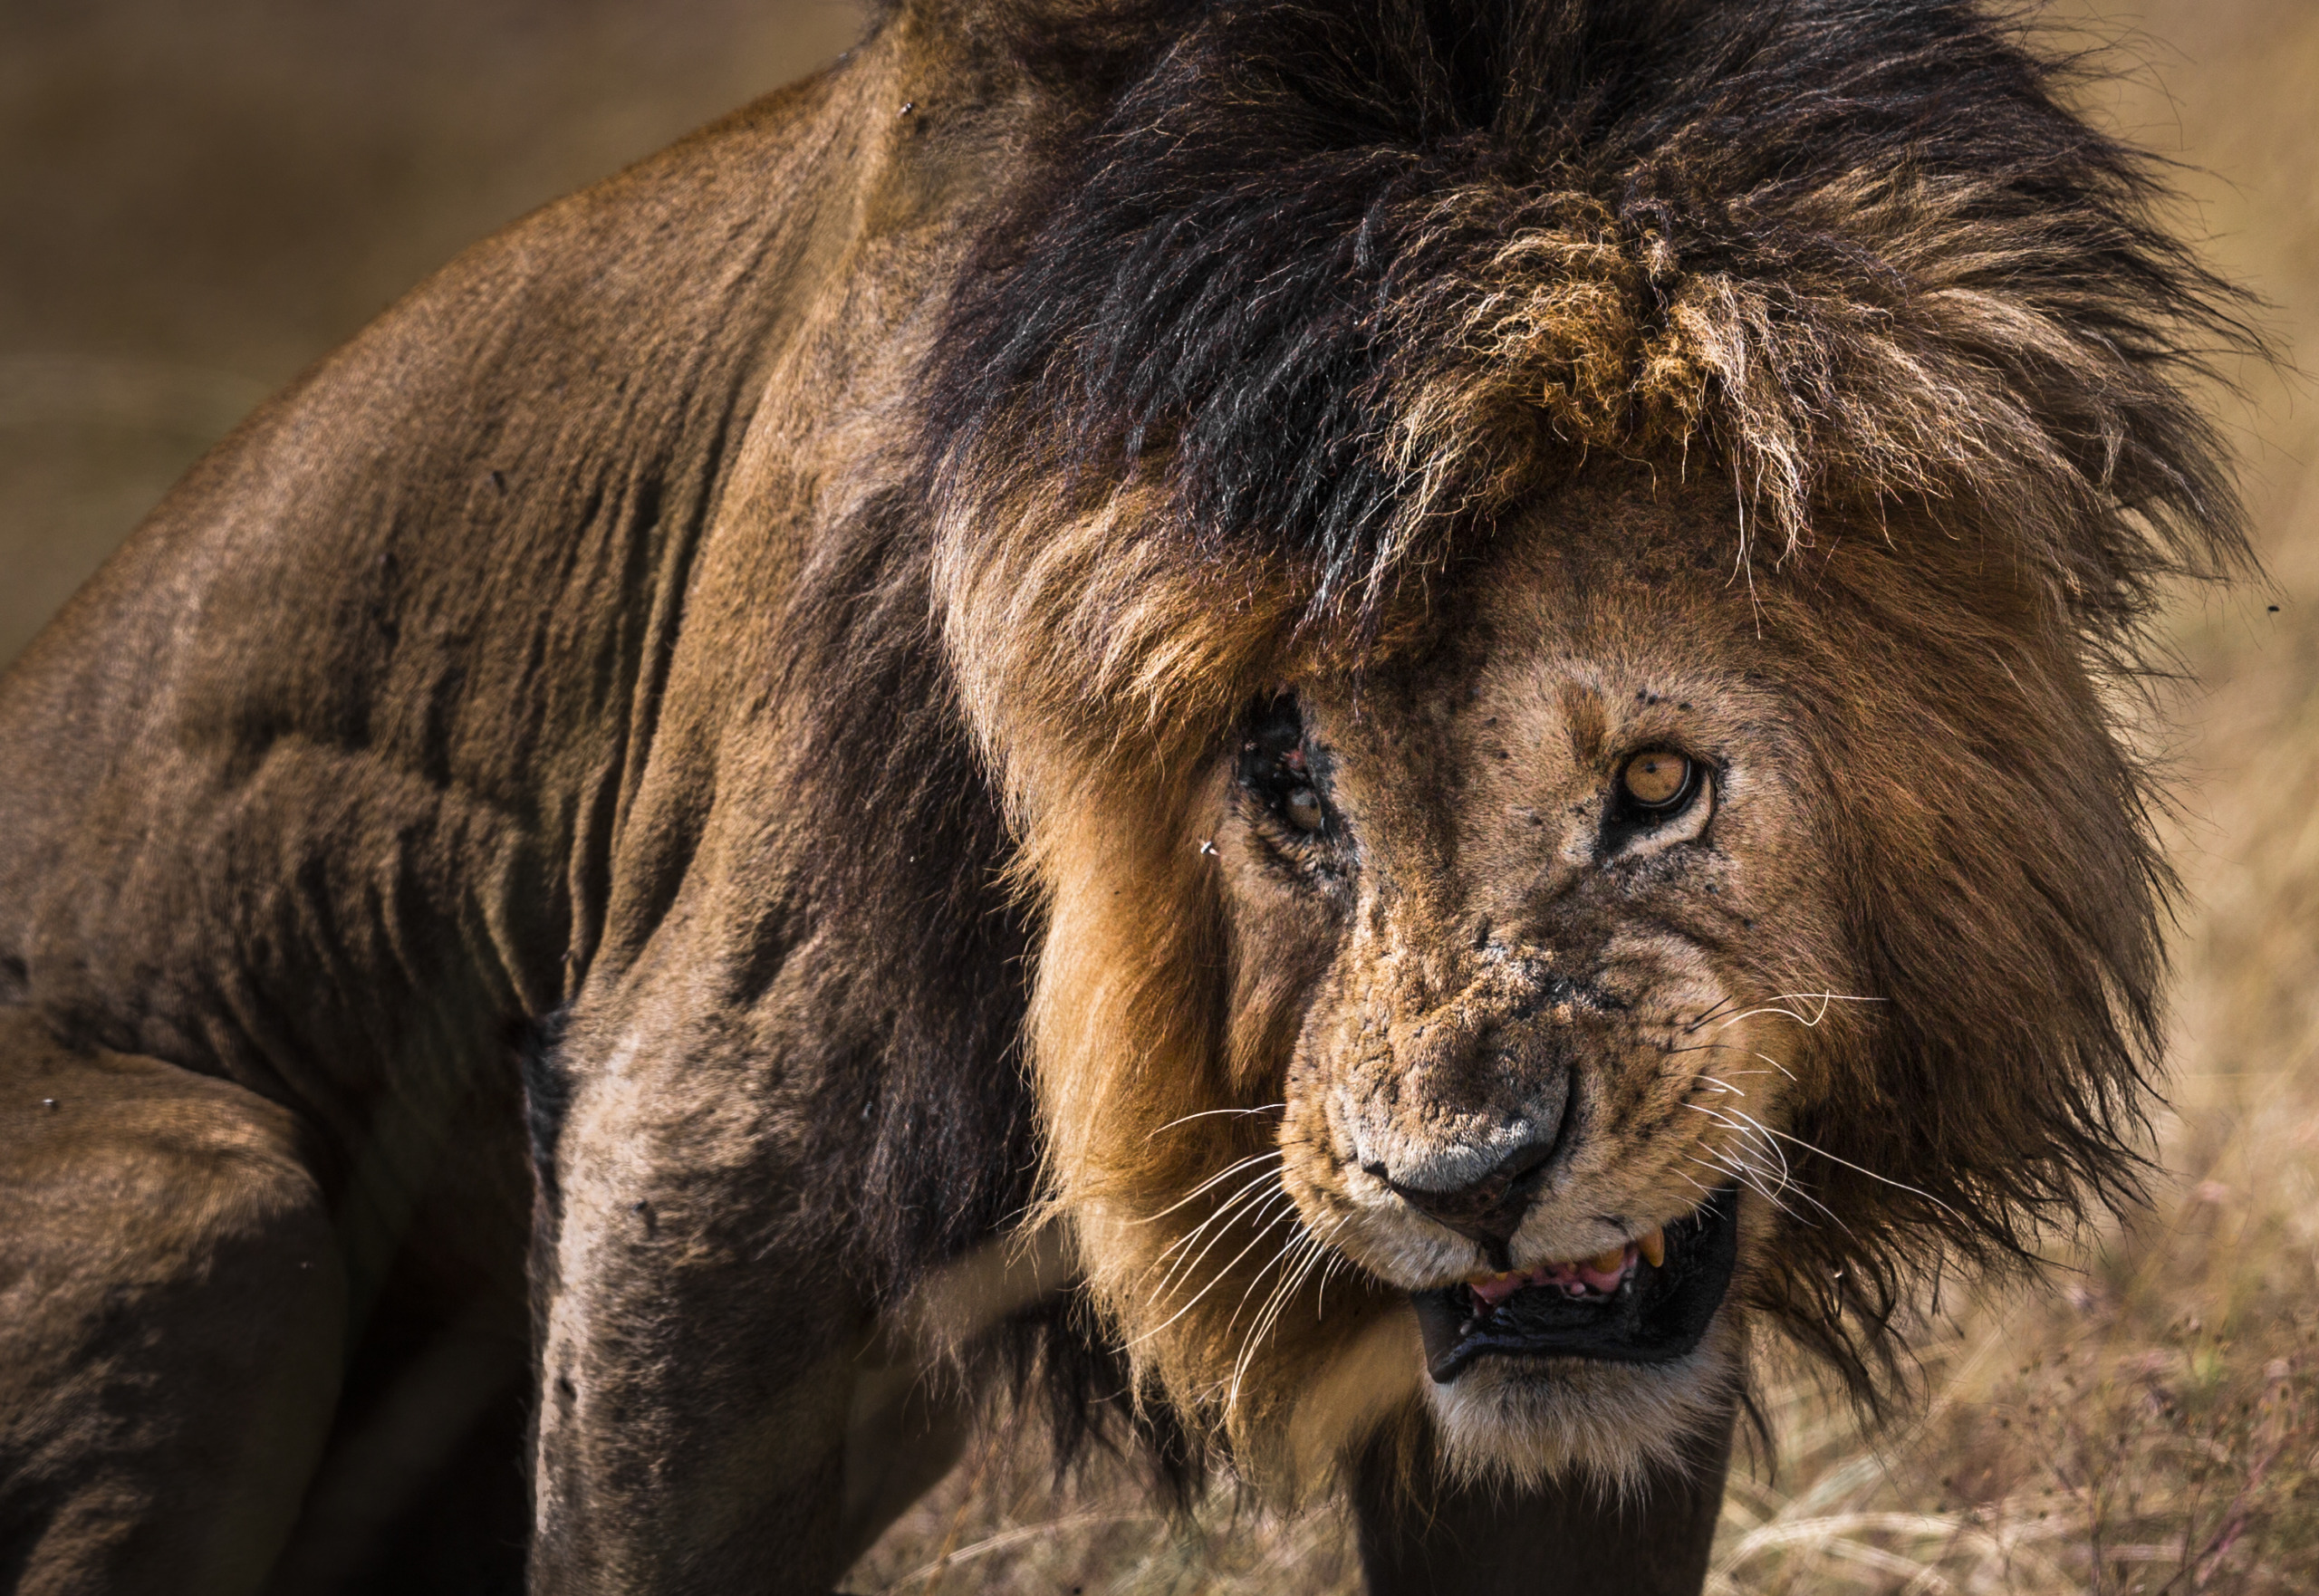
703	1365
1433	1538
172	1315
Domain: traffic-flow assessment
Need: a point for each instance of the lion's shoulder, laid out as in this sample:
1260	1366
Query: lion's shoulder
399	633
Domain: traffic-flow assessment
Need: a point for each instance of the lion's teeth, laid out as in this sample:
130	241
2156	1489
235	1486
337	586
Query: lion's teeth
1654	1248
1608	1262
1493	1289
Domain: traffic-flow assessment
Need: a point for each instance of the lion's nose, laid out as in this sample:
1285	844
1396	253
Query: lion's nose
1487	1210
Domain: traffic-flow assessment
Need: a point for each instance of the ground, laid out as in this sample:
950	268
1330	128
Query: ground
200	203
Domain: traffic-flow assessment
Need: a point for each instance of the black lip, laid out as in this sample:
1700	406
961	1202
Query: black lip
1657	1316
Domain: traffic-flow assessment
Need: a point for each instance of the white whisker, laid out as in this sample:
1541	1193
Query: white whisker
1775	1006
1291	1248
1731	1047
1258	1189
1751	1131
1337	1261
1750	1177
1221	1175
1771	1006
1269	1108
1249	1199
1274	1307
1872	1175
1262	1204
1227	1267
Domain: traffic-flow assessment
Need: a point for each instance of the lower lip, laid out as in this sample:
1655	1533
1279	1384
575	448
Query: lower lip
1655	1316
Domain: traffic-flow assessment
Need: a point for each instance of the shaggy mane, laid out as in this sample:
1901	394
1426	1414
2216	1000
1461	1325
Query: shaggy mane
1295	302
1353	277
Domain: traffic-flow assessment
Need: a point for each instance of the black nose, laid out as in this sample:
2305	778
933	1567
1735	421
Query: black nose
1489	1210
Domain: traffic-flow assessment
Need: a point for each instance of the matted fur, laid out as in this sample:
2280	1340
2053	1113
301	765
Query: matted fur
1275	346
636	750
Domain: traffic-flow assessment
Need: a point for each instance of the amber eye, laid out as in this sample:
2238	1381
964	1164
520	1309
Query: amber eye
1303	808
1658	780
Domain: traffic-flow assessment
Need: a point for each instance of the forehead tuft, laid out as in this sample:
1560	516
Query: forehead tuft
1343	287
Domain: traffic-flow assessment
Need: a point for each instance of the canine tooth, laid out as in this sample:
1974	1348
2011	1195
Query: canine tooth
1608	1262
1654	1248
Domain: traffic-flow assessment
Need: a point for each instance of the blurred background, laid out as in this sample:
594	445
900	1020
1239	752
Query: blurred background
199	200
202	198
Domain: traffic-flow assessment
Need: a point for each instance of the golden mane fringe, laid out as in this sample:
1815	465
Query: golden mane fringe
1894	348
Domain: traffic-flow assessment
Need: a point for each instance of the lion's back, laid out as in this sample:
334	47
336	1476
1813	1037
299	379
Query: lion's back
359	690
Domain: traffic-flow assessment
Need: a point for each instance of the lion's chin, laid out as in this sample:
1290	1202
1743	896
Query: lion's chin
1526	1422
1544	1378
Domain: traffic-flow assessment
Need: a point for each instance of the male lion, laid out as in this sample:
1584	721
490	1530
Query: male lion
1356	720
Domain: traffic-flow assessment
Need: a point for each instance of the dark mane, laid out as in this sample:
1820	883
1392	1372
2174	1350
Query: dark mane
1330	289
1849	252
1143	695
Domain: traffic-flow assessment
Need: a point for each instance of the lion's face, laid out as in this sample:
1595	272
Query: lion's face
1477	1015
1533	922
1556	688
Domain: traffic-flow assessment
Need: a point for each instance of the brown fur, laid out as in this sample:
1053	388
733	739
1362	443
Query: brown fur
731	697
1909	373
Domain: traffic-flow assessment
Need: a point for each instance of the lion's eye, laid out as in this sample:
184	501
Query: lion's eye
1658	781
1275	769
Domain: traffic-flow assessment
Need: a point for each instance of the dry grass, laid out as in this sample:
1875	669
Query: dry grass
203	202
2147	1419
2151	1426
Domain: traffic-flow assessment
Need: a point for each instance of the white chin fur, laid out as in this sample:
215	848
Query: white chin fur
1524	1424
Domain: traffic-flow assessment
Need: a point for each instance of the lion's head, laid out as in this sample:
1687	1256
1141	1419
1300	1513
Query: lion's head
1547	586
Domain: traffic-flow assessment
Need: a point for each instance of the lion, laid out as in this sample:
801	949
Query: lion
1351	732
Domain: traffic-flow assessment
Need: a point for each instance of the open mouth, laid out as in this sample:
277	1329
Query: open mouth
1649	1303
